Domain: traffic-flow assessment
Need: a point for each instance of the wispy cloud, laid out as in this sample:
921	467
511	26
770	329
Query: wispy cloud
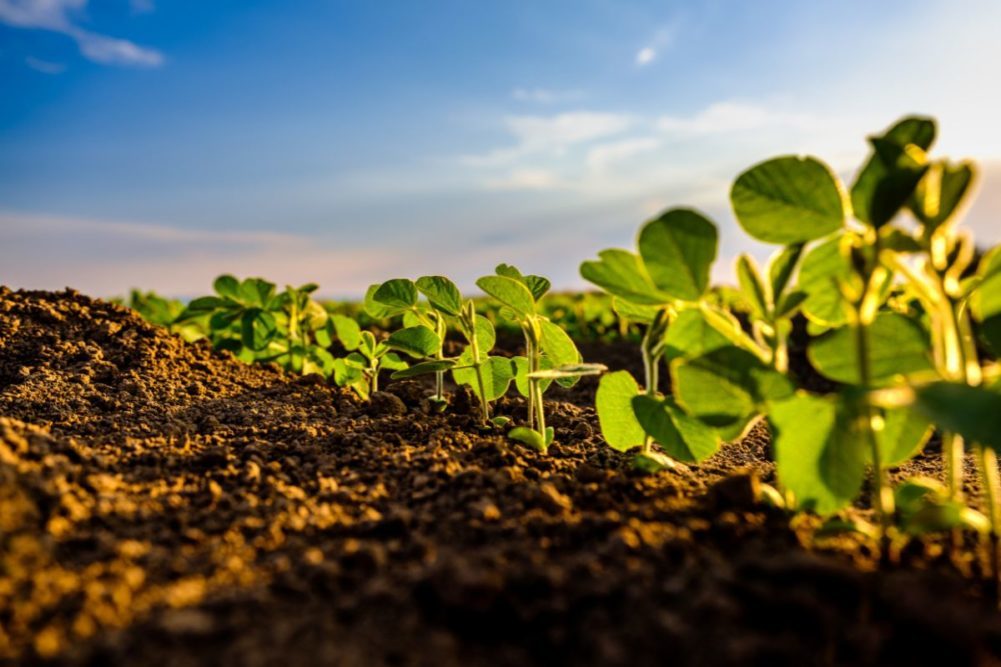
551	135
663	39
605	155
44	66
54	16
723	117
546	95
527	179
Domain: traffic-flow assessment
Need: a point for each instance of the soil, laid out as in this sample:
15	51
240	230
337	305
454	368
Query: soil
164	504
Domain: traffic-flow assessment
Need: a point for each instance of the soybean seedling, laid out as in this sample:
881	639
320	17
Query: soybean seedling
360	369
550	354
663	287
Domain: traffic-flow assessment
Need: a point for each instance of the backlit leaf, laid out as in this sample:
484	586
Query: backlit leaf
613	402
678	250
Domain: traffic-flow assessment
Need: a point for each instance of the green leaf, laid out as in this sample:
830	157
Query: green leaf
424	368
691	335
727	385
227	287
634	312
510	292
257	328
678	250
497	375
752	287
823	267
613	402
257	292
898	345
985	302
223	319
398	294
537	285
788	200
419	341
521	374
348	331
817	456
622	274
888	179
972	412
375	309
903	435
781	267
557	345
529	437
201	306
789	304
441	293
393	362
681	436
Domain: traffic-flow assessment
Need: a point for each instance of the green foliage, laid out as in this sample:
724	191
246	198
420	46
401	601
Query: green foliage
788	200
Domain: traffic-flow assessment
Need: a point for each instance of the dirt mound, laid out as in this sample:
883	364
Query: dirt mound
164	504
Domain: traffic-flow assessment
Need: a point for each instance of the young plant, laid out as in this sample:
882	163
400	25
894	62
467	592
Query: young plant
423	337
664	288
360	369
550	354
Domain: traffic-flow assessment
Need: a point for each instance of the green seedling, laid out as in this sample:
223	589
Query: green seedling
164	312
423	338
664	288
550	354
359	370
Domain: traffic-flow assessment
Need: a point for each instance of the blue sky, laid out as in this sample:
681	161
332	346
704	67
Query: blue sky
157	143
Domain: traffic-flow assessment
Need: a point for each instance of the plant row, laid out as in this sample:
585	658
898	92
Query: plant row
902	313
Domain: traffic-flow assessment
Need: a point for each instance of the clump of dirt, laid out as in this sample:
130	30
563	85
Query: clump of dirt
164	504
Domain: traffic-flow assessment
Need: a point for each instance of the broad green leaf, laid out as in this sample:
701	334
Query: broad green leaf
510	271
441	293
788	200
789	304
419	341
521	374
691	335
682	437
557	345
529	437
486	336
424	368
537	285
227	287
897	346
884	185
223	319
819	274
613	402
257	292
393	362
904	433
257	328
398	294
751	286
985	301
622	274
374	308
634	312
510	292
727	385
348	331
369	346
678	250
204	304
781	267
497	375
972	412
817	456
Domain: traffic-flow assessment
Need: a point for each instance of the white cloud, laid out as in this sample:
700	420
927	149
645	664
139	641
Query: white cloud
645	56
662	39
527	179
723	117
545	95
551	135
44	66
603	156
53	15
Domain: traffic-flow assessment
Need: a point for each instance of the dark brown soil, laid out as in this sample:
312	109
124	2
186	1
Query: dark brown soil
161	504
